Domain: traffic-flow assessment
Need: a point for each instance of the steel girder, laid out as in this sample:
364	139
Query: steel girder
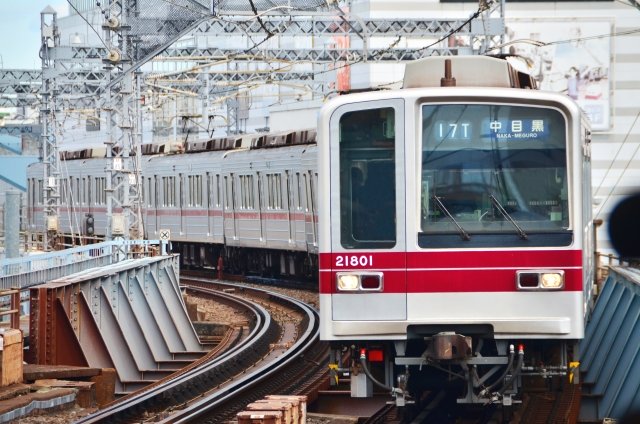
204	55
324	24
129	316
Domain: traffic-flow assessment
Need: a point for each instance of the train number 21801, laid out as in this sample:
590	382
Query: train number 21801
354	260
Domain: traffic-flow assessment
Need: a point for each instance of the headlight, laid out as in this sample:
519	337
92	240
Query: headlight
348	282
552	280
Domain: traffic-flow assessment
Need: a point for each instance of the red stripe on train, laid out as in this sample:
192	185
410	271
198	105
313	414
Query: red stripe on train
435	272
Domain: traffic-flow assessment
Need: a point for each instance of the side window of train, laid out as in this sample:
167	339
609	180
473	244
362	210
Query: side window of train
313	186
246	192
78	191
209	192
274	191
368	178
87	190
83	191
218	197
230	192
299	190
148	195
156	190
195	191
181	191
169	191
40	193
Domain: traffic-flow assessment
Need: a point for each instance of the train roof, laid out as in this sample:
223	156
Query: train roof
230	143
465	71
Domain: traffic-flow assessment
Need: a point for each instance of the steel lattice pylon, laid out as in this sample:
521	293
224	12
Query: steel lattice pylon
52	182
108	78
134	30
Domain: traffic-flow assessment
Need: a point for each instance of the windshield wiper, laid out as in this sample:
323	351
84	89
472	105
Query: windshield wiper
498	206
463	233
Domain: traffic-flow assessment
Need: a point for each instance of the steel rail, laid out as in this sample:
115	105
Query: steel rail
176	387
215	406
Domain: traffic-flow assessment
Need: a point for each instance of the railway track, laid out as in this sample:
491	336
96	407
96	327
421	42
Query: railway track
267	358
559	407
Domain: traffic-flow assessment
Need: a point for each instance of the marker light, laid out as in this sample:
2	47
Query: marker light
376	355
528	280
540	280
371	281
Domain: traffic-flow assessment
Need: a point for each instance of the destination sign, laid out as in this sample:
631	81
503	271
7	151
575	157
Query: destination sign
515	129
453	130
494	129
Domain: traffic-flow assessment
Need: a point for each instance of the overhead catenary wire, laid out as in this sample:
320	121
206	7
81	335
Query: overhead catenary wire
624	170
348	61
88	23
360	59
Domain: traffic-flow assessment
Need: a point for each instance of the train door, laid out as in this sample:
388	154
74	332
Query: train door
311	183
218	216
209	204
230	207
367	212
300	211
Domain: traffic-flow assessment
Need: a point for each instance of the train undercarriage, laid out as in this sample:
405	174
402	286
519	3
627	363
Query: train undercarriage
267	263
479	369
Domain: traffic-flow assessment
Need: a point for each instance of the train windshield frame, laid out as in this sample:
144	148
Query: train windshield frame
493	175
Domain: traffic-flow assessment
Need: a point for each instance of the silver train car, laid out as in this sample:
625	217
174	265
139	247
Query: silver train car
250	201
456	238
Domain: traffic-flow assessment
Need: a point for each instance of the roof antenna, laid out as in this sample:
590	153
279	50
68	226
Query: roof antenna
447	81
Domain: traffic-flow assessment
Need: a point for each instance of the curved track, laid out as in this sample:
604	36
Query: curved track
223	383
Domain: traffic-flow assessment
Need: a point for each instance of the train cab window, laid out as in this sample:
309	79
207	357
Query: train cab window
493	176
368	179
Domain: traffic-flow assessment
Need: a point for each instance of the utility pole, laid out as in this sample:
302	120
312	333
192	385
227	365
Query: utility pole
50	39
123	185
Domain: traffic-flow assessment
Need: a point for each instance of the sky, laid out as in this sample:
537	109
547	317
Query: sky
20	31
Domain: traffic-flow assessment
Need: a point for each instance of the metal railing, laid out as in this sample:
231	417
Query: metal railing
609	359
38	268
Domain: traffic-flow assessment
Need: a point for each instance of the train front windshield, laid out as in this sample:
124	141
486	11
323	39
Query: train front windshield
493	176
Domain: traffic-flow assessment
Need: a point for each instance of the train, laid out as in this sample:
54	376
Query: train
447	224
245	204
456	236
